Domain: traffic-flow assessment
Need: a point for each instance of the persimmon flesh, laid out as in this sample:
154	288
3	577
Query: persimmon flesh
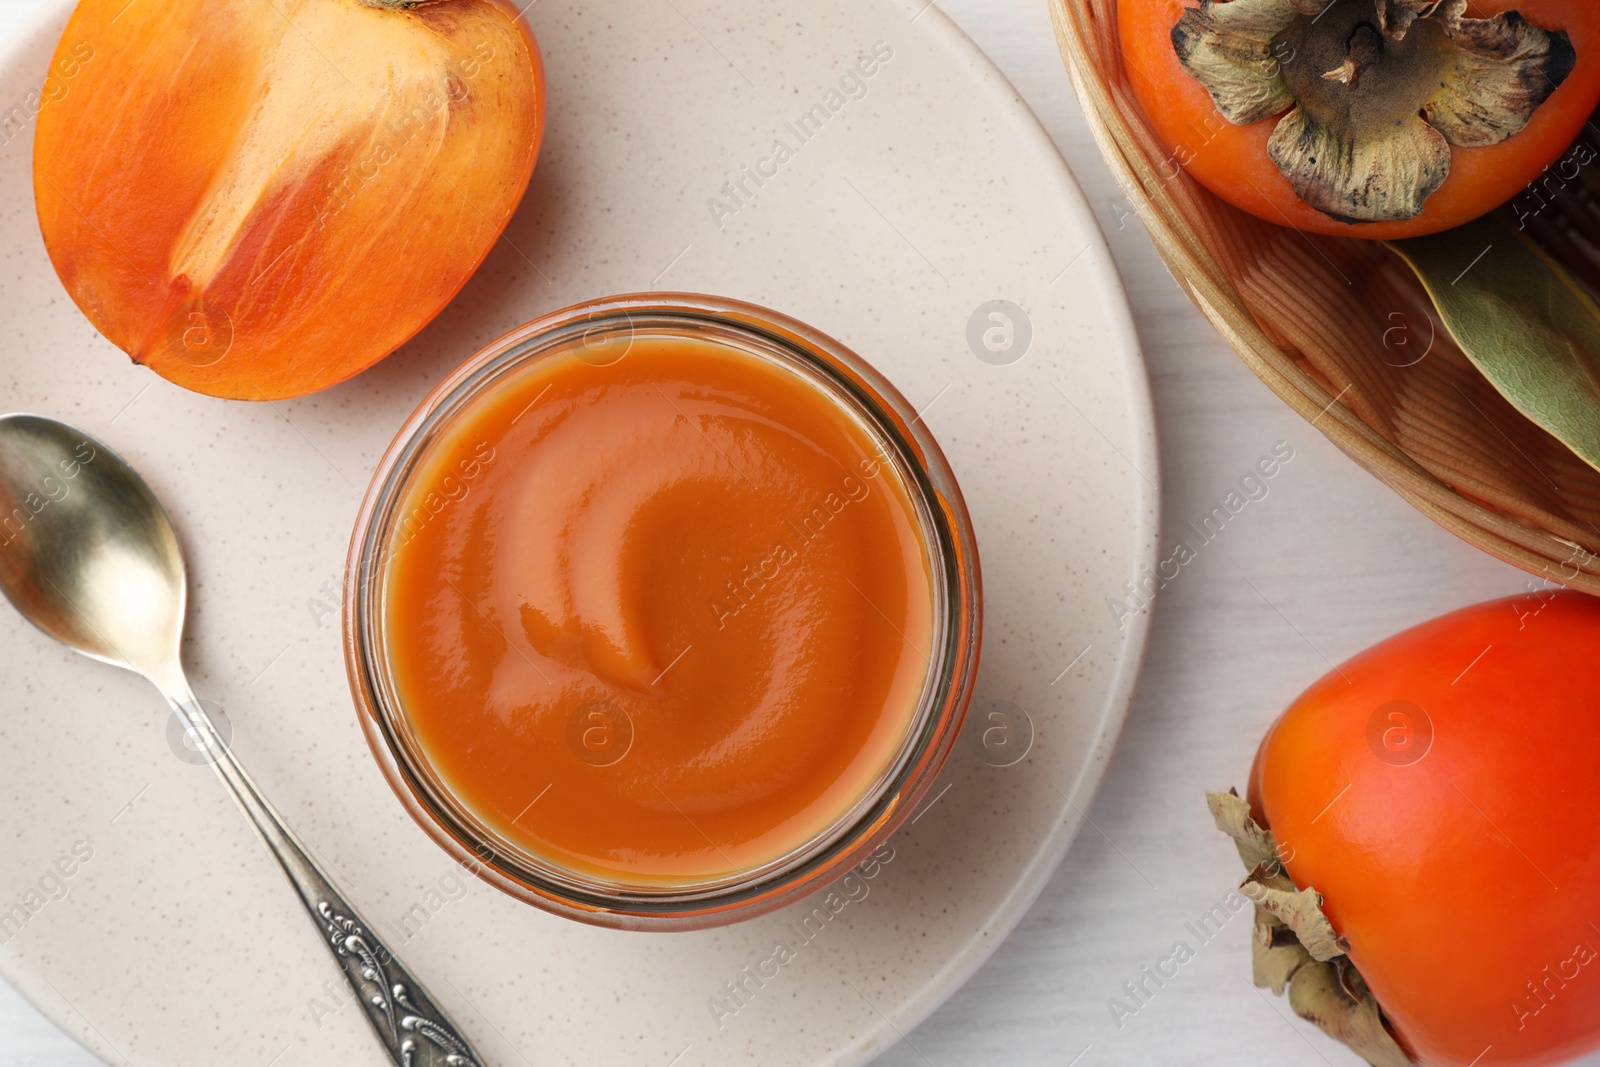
1442	792
257	200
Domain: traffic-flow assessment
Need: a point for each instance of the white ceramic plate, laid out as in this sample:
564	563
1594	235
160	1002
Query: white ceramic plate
924	192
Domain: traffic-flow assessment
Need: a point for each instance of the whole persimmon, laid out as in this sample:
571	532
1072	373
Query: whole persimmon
259	198
1439	797
1380	119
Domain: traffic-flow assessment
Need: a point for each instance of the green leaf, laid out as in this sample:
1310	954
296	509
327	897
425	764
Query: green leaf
1522	320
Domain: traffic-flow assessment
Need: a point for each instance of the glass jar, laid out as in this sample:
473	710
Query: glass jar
601	332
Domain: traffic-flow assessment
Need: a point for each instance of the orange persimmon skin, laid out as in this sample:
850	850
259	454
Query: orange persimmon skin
258	200
1467	882
1232	161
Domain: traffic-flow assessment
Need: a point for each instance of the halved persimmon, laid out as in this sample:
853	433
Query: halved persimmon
257	200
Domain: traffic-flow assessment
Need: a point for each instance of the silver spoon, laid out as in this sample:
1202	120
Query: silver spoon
88	555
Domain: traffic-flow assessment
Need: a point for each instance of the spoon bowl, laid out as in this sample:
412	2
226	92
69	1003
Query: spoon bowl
87	553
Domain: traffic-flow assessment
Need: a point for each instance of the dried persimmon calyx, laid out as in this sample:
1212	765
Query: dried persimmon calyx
1396	16
1295	949
1372	93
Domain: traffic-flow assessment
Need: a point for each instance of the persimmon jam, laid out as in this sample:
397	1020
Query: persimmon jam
660	613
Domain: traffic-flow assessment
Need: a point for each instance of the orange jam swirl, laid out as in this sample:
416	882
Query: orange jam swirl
662	621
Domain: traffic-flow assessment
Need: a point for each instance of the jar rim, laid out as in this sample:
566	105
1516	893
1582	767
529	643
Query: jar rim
945	531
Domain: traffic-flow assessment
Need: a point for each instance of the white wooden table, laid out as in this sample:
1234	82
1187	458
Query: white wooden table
1329	562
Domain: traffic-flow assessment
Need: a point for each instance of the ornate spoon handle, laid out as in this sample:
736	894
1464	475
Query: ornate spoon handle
415	1030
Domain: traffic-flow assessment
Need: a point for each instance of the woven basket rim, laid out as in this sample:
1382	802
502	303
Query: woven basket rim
1530	548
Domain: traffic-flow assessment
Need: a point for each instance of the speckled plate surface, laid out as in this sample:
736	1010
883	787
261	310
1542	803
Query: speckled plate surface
913	212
